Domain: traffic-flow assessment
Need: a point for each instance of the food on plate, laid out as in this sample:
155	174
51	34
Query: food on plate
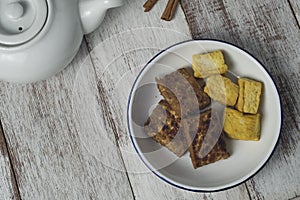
207	64
249	95
164	127
241	126
184	97
179	123
204	133
183	92
222	89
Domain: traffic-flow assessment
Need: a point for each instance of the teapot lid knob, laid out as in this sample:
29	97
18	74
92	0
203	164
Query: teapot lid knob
21	21
14	10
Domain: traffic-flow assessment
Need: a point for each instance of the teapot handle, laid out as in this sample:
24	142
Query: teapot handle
92	12
114	3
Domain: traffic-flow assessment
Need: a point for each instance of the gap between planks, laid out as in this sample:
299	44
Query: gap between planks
248	191
13	179
275	35
294	13
112	122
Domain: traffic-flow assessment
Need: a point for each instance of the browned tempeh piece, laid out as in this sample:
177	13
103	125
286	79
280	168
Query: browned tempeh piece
204	133
183	92
165	128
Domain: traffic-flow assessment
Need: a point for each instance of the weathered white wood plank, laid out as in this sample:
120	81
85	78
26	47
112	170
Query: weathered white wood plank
268	30
8	187
44	124
126	40
295	4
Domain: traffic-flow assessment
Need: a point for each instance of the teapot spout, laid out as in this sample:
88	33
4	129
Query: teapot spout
92	12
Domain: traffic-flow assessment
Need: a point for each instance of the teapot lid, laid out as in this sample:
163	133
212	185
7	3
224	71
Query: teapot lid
21	20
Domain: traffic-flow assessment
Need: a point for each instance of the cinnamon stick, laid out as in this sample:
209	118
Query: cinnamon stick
149	5
169	11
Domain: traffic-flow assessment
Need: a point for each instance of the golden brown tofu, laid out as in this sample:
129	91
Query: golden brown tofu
241	126
221	89
205	65
249	95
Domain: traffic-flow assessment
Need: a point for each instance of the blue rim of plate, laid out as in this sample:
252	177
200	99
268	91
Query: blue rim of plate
139	154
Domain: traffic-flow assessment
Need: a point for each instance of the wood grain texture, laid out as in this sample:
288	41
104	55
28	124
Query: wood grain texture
68	138
119	50
44	124
8	185
269	30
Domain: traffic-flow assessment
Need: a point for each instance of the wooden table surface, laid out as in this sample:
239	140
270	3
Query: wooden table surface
66	137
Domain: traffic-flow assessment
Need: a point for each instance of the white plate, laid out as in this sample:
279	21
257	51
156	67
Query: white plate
247	157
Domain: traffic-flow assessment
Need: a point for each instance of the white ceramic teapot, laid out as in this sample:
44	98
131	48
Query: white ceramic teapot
38	38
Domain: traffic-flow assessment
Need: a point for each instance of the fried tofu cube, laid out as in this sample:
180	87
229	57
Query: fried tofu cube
241	126
249	95
205	65
221	89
